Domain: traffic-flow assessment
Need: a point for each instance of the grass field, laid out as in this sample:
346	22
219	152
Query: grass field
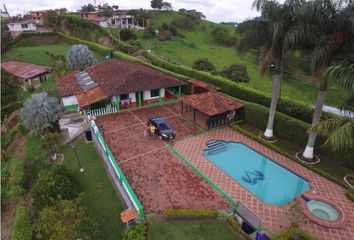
101	201
191	230
37	54
198	44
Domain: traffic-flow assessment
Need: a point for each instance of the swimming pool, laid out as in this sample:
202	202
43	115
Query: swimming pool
270	182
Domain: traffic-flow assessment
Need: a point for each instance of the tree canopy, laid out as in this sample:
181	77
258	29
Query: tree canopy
159	4
79	57
88	8
40	113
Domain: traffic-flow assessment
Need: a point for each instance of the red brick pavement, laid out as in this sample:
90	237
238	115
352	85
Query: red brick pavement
159	178
274	217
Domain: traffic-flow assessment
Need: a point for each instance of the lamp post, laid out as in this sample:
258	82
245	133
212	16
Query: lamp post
73	146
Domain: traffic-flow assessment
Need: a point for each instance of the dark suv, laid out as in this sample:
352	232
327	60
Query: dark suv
163	130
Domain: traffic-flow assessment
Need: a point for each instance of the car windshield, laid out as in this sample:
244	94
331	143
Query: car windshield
163	126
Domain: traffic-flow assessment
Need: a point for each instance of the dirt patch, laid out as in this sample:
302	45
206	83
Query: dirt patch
11	122
7	218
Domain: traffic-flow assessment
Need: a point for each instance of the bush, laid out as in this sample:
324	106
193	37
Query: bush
17	178
185	23
165	35
219	35
50	185
204	64
236	73
22	228
127	34
189	213
137	232
294	235
149	32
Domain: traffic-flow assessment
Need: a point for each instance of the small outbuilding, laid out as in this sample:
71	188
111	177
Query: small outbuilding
211	109
27	74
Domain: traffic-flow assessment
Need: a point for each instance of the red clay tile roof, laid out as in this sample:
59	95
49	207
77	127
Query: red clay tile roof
92	96
211	103
24	70
205	85
118	77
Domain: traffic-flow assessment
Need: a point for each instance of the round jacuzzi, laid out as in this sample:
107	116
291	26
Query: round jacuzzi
322	210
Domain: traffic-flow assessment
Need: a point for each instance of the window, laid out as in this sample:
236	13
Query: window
124	96
24	25
155	93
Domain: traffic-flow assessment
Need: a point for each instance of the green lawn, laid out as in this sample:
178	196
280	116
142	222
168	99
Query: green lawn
37	54
198	44
191	230
101	201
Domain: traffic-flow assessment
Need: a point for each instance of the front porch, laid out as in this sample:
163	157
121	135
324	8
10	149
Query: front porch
128	101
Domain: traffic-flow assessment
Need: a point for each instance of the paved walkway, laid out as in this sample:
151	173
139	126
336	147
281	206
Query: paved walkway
159	178
274	217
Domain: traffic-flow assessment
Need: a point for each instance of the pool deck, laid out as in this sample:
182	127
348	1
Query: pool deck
275	218
159	178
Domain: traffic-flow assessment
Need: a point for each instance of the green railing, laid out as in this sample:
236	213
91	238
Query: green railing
128	189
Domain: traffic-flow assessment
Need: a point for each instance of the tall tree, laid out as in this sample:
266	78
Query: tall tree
267	34
340	131
40	113
324	29
107	10
79	57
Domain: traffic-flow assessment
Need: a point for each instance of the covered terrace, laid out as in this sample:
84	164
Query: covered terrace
211	109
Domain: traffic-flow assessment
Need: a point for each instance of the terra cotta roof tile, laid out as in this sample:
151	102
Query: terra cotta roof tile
211	103
118	77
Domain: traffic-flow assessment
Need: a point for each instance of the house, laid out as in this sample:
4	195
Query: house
26	73
95	17
23	26
115	84
37	16
122	21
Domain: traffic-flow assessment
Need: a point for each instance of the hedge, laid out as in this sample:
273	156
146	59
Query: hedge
189	213
136	232
295	234
289	107
294	131
22	229
350	195
17	178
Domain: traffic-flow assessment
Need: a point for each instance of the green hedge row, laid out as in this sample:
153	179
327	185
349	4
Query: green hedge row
189	213
22	229
136	232
293	130
289	107
350	195
17	178
295	234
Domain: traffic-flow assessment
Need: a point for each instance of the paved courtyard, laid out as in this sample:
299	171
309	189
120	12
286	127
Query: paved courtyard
274	217
159	178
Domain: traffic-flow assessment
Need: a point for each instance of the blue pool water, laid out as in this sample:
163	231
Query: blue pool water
270	182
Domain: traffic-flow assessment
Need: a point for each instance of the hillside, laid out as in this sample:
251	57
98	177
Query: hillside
198	43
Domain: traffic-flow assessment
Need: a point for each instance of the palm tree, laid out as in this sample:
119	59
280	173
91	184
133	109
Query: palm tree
340	131
267	34
324	28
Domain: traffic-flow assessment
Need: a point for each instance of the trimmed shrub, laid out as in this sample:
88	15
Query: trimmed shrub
137	232
236	73
295	235
22	228
189	213
204	64
17	178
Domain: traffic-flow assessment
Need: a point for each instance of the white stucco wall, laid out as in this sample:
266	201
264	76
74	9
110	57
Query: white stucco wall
147	96
17	27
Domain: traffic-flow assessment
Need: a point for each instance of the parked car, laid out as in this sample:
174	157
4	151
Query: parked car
163	130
